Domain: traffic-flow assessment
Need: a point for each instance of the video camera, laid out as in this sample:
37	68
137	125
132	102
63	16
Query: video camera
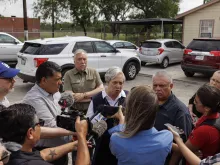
67	118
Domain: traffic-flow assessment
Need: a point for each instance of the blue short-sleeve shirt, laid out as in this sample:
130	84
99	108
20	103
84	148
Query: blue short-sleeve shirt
146	147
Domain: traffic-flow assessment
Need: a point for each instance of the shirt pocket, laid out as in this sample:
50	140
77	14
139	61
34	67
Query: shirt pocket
76	86
90	82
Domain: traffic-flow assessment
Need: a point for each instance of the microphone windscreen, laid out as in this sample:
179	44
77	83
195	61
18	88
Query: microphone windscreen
68	98
99	128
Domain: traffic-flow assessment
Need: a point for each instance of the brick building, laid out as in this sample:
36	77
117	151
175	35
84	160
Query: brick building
15	26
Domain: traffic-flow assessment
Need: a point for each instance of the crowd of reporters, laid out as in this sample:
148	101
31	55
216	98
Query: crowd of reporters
135	134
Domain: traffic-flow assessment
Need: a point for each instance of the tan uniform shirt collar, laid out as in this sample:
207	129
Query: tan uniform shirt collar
75	71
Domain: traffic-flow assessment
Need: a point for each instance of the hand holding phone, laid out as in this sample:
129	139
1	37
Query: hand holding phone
174	129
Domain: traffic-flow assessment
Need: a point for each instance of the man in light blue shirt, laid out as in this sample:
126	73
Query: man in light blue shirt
44	96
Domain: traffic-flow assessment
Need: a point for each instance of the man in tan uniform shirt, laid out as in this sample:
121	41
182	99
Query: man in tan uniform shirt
82	81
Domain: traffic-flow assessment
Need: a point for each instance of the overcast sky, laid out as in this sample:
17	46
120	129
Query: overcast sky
8	9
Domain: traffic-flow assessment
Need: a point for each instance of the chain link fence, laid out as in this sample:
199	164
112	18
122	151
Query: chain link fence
133	34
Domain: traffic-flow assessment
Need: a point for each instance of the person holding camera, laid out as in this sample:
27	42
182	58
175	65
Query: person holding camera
19	123
44	97
113	95
82	82
135	140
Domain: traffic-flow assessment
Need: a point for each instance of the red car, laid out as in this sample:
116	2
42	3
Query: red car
201	56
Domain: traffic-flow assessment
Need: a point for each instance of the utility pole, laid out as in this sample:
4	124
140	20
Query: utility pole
25	20
52	18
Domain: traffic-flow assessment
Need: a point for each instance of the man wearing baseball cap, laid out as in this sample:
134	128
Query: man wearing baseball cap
7	81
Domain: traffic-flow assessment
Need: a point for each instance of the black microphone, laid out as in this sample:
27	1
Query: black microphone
66	100
105	110
98	129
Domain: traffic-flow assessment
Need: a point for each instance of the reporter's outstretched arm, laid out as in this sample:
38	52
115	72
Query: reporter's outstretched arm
83	157
47	132
51	154
186	152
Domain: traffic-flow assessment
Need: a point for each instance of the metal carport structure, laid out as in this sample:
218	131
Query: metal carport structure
149	21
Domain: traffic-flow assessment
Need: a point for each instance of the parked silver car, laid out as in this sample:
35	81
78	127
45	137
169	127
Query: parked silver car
9	47
123	45
161	51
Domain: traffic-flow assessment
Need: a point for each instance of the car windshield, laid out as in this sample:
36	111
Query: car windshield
150	44
40	49
204	45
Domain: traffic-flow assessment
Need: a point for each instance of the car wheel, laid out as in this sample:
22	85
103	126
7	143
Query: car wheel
130	71
143	63
189	74
165	63
63	73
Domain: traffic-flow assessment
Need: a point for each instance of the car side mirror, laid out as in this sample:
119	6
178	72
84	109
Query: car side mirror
117	51
16	42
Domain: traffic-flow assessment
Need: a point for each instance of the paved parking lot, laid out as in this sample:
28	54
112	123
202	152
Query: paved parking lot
184	87
176	72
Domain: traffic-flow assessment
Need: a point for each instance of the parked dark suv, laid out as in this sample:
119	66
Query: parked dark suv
201	56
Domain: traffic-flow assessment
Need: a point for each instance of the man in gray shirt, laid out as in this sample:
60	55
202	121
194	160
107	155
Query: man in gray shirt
44	97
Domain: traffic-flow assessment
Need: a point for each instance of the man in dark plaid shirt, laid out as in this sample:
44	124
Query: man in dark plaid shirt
214	160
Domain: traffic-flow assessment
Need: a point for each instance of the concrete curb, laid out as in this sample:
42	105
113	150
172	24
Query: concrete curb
185	81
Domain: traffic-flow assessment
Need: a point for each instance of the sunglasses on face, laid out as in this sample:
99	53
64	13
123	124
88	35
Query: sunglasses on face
40	123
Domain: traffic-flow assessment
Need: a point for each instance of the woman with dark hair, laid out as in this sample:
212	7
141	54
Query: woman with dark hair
139	143
205	136
215	82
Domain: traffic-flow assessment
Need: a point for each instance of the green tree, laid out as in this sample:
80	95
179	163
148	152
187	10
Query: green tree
83	12
155	8
114	10
49	9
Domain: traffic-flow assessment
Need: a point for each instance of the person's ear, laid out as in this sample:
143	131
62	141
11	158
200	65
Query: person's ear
43	80
30	133
207	110
171	85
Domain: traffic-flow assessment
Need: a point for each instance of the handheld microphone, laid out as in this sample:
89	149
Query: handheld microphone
105	110
98	129
66	100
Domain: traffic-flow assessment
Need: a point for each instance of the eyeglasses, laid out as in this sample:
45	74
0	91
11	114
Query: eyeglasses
40	123
214	80
8	79
5	156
